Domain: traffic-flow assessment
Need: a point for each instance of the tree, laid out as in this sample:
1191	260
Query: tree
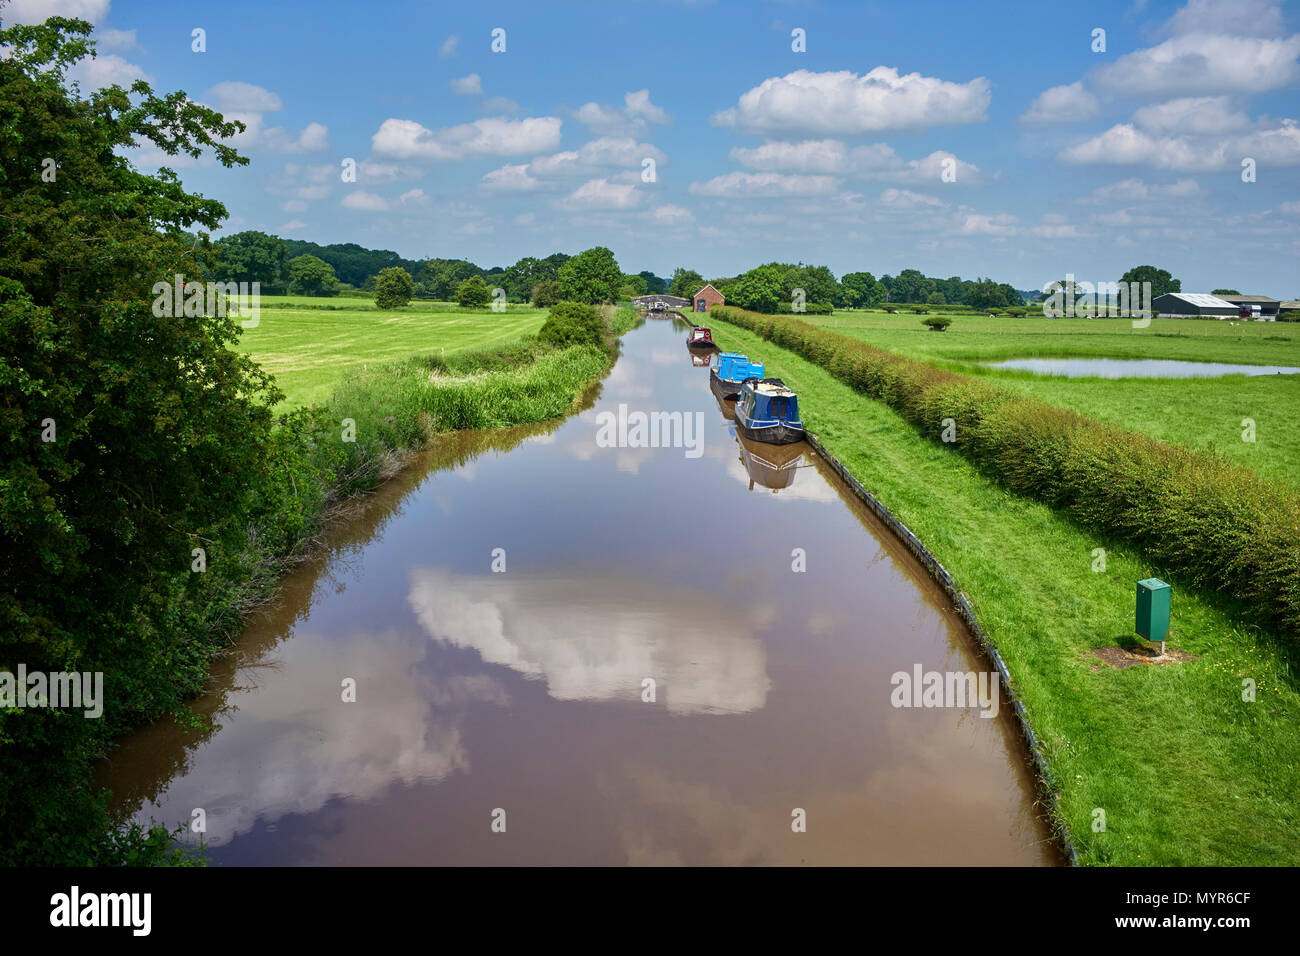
131	431
910	285
311	275
936	298
685	283
760	290
573	323
654	285
393	288
473	293
546	293
985	294
253	257
1161	280
1215	292
636	284
857	287
592	276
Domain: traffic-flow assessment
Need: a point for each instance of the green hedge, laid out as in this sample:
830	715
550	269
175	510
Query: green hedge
1215	523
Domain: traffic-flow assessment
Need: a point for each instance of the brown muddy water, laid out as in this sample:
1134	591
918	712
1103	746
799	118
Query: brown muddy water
519	696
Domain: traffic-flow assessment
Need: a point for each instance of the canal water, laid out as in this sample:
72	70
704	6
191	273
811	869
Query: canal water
569	652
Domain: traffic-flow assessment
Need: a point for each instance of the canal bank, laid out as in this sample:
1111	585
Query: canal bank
628	652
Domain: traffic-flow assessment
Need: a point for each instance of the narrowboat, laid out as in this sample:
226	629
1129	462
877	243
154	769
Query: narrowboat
700	338
732	369
770	466
767	411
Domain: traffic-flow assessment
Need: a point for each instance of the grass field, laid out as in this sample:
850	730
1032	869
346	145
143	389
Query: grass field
1200	413
310	349
1186	772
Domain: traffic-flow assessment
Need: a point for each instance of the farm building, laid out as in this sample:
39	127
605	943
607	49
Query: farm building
707	298
1175	304
1266	305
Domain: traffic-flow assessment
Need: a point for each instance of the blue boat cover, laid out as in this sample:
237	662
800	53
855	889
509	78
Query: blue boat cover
735	367
757	409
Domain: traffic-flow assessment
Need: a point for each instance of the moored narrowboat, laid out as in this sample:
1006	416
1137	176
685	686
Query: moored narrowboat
767	411
732	369
700	337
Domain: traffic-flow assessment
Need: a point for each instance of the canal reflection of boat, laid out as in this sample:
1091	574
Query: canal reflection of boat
701	358
767	411
772	466
732	369
700	337
726	405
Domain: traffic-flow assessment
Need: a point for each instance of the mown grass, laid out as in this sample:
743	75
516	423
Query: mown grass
311	350
1202	413
1186	772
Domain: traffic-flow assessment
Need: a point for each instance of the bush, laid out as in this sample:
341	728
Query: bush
937	323
546	294
573	323
1218	524
473	293
393	288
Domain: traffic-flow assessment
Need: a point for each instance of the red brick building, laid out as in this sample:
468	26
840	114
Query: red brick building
707	298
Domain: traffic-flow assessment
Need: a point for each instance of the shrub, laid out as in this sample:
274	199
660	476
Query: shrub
473	293
546	294
937	323
573	323
393	288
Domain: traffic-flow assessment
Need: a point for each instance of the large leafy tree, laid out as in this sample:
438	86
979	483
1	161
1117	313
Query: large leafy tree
592	276
761	289
131	432
253	257
685	282
311	275
856	287
1161	280
473	293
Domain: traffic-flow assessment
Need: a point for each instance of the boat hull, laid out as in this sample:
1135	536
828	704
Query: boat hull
781	433
727	391
701	346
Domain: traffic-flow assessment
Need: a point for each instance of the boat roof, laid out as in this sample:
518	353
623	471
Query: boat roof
735	355
769	386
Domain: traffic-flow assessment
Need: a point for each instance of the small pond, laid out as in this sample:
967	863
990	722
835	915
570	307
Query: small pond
1136	368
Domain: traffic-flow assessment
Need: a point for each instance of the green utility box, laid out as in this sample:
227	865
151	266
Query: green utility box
1153	609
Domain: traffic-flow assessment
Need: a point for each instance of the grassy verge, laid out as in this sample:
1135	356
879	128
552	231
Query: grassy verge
1186	772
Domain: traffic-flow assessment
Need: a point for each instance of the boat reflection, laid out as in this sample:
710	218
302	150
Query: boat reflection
772	466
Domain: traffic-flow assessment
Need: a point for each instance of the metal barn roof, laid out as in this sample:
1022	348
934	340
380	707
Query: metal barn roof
1202	299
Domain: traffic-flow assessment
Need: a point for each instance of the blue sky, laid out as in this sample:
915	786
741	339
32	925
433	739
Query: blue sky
1066	159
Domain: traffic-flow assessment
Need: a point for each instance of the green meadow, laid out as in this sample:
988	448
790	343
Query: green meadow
1201	413
1184	770
310	345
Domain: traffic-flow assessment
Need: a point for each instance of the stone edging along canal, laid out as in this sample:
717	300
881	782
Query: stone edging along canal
963	609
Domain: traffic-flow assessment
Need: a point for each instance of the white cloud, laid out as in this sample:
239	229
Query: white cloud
636	114
38	11
1257	18
1197	63
669	215
510	179
370	171
876	161
413	197
1131	190
845	103
106	70
449	45
1126	144
240	97
367	202
294	205
906	199
106	39
1200	114
491	136
1062	104
292	225
1001	224
313	139
471	85
499	104
602	194
1291	208
742	185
